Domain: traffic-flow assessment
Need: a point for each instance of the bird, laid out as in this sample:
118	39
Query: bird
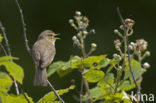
43	53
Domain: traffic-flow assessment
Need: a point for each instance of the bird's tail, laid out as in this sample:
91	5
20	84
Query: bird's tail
40	77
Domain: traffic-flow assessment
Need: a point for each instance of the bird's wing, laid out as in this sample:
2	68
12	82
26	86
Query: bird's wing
48	55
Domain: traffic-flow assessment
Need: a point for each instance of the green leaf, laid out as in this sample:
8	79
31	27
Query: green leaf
127	85
1	38
108	80
14	98
95	93
50	97
94	75
61	67
88	62
7	58
136	67
5	82
14	70
54	67
105	62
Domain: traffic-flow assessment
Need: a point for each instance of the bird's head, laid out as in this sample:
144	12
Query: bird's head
48	34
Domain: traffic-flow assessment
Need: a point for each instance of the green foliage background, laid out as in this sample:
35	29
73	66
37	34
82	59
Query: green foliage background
48	14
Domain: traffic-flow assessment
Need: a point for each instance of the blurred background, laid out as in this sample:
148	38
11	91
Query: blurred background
54	14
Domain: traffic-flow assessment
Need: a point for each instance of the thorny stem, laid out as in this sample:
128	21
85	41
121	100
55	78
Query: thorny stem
28	48
84	80
9	52
128	50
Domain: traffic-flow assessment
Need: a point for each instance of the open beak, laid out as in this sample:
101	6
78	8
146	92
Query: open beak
56	35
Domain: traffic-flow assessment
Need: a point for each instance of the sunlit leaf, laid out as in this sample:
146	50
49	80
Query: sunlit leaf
136	67
61	67
14	70
94	75
54	67
108	80
7	58
50	97
14	98
95	93
5	82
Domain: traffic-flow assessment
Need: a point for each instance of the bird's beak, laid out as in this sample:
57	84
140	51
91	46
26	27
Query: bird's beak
56	35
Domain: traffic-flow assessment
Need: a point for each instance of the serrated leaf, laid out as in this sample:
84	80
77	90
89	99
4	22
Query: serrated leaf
136	67
14	98
14	70
5	82
89	62
94	75
108	80
50	97
127	85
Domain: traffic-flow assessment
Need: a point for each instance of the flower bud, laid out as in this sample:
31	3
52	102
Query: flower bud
147	53
78	13
130	47
116	31
92	31
71	21
132	43
85	32
146	65
74	38
93	45
121	27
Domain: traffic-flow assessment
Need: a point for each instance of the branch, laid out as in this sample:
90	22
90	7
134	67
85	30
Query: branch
24	28
5	52
28	48
9	52
128	50
53	89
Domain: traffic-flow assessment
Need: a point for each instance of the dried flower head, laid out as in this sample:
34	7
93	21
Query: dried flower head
129	23
85	20
141	45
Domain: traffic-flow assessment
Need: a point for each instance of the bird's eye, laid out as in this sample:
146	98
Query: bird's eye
49	35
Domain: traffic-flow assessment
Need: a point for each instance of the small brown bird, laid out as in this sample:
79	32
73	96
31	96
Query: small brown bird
43	53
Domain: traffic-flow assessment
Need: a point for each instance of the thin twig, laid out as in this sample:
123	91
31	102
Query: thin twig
128	50
24	94
53	89
5	52
9	52
24	28
81	91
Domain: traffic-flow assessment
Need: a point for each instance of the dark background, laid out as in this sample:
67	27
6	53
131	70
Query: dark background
54	14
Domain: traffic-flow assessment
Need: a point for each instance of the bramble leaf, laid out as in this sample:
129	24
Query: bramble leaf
94	75
108	80
50	97
136	67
